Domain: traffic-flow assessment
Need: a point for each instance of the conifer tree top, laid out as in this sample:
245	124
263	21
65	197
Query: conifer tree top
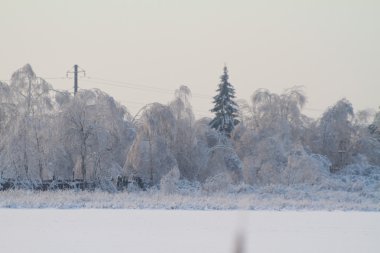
225	108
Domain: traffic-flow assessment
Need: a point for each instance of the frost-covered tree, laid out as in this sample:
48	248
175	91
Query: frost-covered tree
97	134
151	157
30	102
374	128
279	113
272	125
46	134
367	143
7	111
335	134
225	108
363	117
184	146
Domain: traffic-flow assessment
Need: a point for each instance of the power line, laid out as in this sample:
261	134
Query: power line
132	84
45	78
60	91
141	103
314	109
127	87
139	87
122	84
55	78
142	86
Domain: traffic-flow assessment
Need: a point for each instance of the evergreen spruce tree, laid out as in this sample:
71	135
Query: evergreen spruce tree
225	108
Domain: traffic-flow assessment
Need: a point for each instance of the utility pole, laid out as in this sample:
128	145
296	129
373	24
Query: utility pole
75	79
76	71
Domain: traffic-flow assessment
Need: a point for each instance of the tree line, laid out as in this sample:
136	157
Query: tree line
52	135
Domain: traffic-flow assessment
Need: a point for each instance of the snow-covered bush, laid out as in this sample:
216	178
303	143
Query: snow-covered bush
361	168
218	183
265	161
168	183
107	185
303	168
186	187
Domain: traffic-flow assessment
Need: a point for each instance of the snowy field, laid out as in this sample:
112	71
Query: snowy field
105	230
263	198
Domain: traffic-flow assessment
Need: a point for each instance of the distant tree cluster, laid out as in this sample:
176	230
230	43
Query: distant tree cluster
51	135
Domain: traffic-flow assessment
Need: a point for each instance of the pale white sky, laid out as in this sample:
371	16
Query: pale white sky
330	47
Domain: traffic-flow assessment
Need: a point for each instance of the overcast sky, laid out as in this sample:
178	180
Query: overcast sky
332	47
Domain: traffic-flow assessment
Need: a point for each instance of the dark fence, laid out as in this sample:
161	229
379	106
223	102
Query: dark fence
121	183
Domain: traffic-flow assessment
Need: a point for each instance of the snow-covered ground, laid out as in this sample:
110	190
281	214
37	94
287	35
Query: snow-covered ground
105	230
262	198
